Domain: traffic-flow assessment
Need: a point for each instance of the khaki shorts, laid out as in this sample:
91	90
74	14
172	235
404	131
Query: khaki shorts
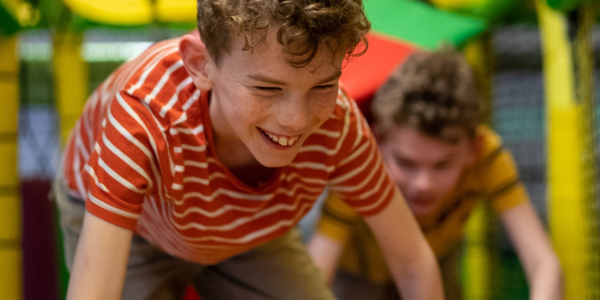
280	269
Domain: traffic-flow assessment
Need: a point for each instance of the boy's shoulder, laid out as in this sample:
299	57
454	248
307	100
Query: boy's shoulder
144	70
495	162
158	64
491	142
157	78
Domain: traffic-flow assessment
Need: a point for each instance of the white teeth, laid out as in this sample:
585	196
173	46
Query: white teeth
293	140
283	141
273	137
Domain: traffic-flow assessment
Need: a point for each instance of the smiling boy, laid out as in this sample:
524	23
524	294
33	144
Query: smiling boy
427	119
193	162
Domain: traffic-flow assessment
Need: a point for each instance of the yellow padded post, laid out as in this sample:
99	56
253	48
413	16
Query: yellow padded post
11	276
70	80
567	214
477	257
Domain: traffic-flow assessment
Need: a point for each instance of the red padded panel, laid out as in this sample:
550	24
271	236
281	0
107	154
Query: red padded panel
363	75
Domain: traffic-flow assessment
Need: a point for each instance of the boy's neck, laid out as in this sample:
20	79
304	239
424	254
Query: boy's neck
241	163
253	176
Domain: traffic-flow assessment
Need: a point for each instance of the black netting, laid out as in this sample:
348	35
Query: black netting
518	116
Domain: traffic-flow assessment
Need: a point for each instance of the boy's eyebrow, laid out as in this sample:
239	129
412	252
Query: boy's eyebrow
399	155
335	75
263	78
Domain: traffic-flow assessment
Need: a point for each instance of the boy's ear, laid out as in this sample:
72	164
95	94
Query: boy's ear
196	61
377	133
476	147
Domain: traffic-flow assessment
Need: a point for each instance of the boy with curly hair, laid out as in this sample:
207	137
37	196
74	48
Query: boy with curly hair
428	124
193	162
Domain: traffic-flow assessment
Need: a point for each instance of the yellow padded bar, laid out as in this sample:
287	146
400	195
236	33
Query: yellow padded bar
134	12
11	278
115	12
179	11
565	168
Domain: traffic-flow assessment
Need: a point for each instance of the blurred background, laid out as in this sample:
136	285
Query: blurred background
536	61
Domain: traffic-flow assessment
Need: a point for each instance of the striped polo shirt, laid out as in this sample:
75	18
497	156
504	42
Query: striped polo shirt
142	158
492	178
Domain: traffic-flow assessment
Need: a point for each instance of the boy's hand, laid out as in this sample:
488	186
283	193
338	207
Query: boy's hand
326	253
535	251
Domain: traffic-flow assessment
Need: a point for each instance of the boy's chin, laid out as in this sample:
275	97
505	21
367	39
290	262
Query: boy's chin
274	162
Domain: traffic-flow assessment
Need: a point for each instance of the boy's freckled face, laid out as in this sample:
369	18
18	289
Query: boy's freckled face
270	106
425	168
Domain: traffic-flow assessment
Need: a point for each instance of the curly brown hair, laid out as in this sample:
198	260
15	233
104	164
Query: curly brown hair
432	92
304	26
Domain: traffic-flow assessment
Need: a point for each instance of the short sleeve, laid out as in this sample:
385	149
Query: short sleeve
119	171
361	178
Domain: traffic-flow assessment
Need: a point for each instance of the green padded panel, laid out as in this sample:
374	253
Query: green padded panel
422	24
8	22
490	10
566	5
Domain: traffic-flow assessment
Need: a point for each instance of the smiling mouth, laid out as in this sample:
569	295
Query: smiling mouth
282	140
421	200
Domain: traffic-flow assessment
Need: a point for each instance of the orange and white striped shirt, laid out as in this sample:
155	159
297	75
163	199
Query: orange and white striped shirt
141	156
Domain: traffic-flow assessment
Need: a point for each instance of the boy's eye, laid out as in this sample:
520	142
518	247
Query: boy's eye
325	87
443	165
404	163
267	88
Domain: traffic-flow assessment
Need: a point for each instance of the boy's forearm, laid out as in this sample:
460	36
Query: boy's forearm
100	260
421	280
409	257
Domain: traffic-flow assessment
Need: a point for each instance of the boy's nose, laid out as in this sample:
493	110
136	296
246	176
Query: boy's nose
294	113
422	181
